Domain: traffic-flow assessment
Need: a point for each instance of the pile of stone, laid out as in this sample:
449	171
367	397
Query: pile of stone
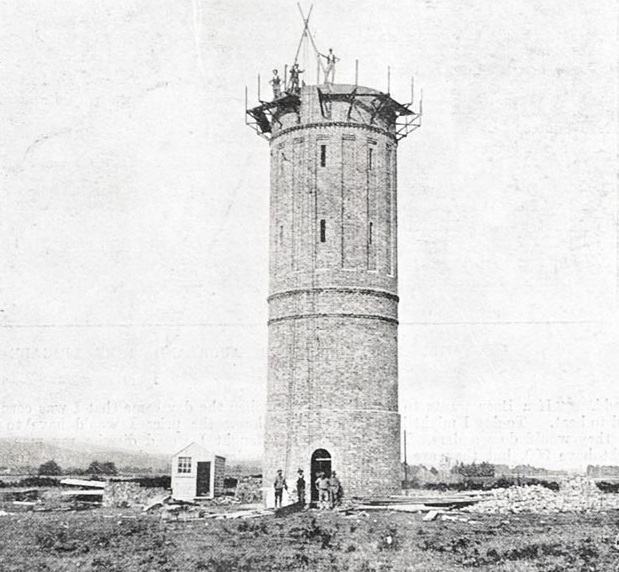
575	495
53	499
175	510
225	500
248	490
126	495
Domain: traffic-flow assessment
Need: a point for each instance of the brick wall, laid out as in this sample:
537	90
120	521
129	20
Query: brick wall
333	295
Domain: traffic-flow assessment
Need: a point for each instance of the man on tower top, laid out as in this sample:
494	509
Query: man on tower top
276	82
330	70
294	80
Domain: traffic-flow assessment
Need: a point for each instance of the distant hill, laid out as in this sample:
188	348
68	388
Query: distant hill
19	453
241	467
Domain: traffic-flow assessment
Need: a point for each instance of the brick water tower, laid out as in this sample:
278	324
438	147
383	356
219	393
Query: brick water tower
332	397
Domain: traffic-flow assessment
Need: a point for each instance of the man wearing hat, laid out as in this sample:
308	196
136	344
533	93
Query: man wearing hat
295	72
276	82
301	488
335	490
279	485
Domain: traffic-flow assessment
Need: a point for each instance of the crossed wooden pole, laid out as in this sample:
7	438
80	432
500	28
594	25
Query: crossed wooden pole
307	34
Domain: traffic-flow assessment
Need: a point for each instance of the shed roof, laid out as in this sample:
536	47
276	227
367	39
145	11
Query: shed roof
196	450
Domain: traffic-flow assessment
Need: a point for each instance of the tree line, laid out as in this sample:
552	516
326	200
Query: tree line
53	469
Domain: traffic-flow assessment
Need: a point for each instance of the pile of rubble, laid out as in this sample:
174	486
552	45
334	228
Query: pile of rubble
225	500
575	495
173	509
249	490
127	494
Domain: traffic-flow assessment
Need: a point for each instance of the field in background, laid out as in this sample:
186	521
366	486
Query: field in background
123	540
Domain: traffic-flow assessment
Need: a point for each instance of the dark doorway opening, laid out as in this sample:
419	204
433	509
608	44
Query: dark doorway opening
203	479
321	463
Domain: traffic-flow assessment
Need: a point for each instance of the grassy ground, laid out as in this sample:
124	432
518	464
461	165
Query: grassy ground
125	541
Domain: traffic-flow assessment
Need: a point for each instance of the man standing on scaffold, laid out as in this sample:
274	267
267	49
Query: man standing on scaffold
276	82
294	87
330	70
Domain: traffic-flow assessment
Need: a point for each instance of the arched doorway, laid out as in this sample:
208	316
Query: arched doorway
321	462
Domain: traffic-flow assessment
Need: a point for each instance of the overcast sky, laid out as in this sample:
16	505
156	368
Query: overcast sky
134	220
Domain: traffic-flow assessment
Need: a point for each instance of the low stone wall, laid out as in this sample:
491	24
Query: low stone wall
121	495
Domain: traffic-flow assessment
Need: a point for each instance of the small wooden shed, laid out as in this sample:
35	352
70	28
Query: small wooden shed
197	473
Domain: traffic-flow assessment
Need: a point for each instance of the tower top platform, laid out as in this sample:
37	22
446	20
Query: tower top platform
333	103
329	102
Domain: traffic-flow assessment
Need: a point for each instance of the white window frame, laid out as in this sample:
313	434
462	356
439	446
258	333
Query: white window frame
184	465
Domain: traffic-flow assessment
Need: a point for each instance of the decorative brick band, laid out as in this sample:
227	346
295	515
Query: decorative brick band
346	124
360	316
364	291
340	410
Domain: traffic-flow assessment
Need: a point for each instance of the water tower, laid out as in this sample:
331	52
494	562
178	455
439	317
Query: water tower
332	397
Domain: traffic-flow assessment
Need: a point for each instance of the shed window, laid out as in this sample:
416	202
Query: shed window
323	230
370	158
184	464
323	155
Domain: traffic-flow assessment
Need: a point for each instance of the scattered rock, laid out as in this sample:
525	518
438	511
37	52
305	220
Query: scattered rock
576	495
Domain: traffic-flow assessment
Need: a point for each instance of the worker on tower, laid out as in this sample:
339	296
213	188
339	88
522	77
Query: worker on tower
279	485
332	59
294	80
276	82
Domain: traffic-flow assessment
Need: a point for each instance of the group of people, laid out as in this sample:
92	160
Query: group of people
329	489
294	86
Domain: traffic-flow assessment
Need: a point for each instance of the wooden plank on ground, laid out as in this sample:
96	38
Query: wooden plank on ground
82	493
83	483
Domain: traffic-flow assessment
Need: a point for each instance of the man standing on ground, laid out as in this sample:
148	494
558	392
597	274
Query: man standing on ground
334	489
301	488
279	485
322	484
